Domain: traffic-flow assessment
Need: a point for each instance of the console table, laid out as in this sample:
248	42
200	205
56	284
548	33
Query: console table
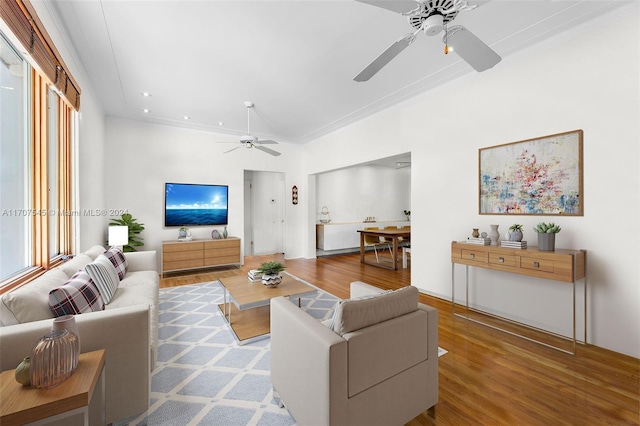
562	265
197	254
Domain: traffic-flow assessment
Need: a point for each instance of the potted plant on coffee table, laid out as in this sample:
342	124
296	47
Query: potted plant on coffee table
271	273
547	235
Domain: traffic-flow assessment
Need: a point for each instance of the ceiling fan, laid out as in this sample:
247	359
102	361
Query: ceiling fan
432	17
250	141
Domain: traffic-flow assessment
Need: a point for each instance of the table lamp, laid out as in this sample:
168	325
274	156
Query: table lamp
118	236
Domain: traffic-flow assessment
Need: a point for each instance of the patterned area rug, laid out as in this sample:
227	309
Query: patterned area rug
202	376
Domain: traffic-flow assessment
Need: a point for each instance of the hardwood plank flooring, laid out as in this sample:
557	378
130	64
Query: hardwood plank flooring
488	377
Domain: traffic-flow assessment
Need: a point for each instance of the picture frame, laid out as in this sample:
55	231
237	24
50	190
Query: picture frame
539	176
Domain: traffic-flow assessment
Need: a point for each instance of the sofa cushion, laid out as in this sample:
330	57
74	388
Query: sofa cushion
74	265
105	277
118	260
31	301
94	252
76	296
354	314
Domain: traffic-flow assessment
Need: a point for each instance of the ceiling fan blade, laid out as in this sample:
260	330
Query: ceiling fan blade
267	150
399	6
384	58
232	149
470	48
266	141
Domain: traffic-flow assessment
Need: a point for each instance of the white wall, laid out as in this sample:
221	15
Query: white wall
143	156
354	193
581	81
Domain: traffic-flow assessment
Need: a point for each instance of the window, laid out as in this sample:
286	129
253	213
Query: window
35	171
15	226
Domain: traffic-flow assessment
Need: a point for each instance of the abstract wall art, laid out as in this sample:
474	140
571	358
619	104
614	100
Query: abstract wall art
541	176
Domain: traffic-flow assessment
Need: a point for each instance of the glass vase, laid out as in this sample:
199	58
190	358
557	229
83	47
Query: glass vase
53	359
68	322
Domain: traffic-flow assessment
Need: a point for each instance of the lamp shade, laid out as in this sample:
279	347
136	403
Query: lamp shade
118	235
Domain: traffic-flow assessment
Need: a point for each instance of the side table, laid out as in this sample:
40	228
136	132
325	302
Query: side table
81	394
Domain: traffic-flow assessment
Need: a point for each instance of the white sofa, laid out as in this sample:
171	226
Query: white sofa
127	328
375	364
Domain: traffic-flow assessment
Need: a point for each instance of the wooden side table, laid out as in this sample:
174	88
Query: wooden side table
81	394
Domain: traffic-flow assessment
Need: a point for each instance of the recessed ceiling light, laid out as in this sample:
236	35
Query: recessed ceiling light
186	117
146	111
146	94
220	123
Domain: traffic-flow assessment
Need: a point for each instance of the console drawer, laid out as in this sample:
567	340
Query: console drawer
502	259
475	255
537	264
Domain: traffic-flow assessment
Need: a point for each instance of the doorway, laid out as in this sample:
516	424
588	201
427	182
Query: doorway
263	212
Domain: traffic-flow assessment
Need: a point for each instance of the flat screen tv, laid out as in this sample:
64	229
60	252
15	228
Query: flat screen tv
187	204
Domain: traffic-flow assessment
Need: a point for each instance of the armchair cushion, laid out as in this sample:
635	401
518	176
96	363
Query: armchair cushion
355	314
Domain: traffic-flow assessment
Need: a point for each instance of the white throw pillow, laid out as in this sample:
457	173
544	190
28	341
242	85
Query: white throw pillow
31	301
104	276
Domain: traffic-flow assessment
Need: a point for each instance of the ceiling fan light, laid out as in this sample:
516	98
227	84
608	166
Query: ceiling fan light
433	24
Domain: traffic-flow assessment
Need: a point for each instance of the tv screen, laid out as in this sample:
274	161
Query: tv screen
188	204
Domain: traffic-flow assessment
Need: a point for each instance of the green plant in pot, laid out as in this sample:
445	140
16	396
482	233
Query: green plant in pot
135	228
271	273
407	214
547	235
515	232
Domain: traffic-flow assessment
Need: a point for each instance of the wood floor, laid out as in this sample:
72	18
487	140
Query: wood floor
488	377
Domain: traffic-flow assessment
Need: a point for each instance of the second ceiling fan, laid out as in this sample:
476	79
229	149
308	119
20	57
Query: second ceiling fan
432	17
250	141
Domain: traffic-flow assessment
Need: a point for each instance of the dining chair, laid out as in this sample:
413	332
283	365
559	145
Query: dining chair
375	242
405	241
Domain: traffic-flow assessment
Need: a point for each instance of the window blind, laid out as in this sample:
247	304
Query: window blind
21	18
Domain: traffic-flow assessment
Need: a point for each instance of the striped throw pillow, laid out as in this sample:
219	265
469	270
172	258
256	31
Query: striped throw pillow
76	296
118	260
105	277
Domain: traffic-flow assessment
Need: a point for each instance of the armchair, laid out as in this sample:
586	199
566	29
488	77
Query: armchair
380	366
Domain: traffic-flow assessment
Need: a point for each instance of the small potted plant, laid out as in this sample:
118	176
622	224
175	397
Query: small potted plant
182	232
547	235
515	233
271	273
407	214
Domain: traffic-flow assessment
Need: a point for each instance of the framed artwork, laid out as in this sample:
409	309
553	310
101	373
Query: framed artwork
541	176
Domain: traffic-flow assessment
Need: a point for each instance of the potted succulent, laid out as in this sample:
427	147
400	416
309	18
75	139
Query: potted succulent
547	235
407	214
271	273
515	233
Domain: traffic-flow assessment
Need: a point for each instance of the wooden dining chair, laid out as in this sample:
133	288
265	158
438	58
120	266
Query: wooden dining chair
375	242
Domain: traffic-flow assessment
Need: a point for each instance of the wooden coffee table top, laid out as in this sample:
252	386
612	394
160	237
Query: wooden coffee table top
246	294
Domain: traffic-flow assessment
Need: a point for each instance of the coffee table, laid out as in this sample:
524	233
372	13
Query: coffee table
246	304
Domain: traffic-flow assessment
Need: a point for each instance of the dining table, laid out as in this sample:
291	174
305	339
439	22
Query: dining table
394	235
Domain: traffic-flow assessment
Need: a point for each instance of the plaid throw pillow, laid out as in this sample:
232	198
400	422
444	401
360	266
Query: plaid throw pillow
118	260
76	296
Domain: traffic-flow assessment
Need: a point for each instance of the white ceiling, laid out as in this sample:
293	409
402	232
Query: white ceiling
294	59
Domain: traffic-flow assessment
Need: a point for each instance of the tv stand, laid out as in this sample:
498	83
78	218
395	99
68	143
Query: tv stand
180	256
